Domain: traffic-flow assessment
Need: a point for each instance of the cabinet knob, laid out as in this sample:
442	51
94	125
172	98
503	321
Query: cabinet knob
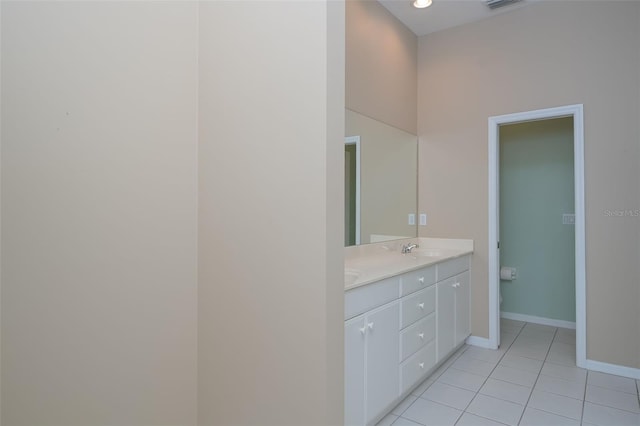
421	305
421	365
421	335
362	330
421	280
455	285
370	325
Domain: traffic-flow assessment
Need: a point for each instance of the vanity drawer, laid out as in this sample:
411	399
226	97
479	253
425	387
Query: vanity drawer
414	369
369	296
417	306
417	280
417	335
453	267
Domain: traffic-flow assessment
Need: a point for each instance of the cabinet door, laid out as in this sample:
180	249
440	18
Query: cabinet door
463	328
382	359
446	314
354	344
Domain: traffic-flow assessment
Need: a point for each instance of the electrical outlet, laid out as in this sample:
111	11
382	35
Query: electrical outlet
423	219
568	219
412	218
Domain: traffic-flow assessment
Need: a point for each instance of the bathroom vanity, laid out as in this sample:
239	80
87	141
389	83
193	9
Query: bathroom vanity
405	313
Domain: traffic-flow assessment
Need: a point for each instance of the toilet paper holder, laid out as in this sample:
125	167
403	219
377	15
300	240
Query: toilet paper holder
508	273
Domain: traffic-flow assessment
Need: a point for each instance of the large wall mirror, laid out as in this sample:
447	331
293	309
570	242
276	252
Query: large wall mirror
381	176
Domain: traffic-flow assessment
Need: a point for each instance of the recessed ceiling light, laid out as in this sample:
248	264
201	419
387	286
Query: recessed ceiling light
421	4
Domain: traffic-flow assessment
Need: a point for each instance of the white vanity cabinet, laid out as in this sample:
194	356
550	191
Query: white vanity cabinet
397	330
371	359
463	308
380	359
453	306
371	351
417	337
354	371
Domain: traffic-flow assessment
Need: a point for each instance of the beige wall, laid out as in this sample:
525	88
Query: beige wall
99	213
102	156
381	65
388	173
548	54
271	157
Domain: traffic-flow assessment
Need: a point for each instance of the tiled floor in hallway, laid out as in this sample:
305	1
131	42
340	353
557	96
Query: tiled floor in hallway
532	380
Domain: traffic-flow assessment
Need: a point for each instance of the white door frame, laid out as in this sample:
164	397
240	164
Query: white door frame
575	111
355	140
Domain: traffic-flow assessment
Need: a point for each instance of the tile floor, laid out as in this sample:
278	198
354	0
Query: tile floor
531	380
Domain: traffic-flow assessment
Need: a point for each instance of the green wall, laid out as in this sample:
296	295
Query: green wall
536	188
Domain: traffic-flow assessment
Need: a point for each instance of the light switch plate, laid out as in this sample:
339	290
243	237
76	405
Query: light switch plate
412	218
423	219
568	219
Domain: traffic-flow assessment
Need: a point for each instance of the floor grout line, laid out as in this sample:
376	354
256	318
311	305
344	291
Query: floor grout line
482	417
610	389
487	378
536	381
555	414
615	408
559	394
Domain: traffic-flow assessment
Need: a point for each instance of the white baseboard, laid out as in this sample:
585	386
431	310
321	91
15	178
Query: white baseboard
480	342
603	367
538	320
618	370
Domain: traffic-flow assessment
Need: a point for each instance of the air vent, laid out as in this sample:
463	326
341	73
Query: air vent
494	4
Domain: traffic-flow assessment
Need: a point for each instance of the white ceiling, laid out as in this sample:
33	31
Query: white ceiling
444	13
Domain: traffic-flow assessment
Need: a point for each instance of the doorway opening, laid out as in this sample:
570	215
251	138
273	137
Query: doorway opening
352	191
575	114
537	274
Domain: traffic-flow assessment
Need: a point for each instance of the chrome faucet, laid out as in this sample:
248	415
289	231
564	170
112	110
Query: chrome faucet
406	248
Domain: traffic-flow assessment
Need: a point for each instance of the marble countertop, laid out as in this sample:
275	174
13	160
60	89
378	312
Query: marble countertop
365	264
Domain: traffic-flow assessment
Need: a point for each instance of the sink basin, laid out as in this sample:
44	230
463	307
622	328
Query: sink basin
433	252
428	252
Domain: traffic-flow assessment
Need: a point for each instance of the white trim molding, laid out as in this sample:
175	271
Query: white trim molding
538	320
480	342
618	370
575	111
